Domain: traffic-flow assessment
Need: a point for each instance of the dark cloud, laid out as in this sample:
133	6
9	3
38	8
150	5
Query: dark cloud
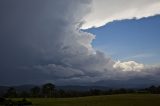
41	41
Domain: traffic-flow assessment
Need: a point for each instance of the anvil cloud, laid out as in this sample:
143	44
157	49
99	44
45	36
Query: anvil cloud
105	11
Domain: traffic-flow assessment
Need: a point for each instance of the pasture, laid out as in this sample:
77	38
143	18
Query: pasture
106	100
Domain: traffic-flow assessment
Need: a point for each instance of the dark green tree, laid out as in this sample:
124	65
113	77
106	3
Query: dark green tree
11	93
48	90
35	91
152	89
24	94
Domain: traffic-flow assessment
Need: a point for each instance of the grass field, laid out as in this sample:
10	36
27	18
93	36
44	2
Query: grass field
109	100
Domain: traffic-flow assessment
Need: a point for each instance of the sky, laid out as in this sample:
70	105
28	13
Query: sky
80	42
131	39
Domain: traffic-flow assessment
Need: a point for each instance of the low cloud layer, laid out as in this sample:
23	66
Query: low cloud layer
105	11
41	41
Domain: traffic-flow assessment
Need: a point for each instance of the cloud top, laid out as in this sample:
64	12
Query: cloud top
105	11
128	66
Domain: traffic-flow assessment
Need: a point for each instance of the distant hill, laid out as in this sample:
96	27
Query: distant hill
81	88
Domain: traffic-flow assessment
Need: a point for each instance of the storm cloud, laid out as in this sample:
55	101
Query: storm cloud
42	41
105	11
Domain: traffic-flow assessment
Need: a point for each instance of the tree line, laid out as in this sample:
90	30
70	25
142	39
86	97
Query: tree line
49	90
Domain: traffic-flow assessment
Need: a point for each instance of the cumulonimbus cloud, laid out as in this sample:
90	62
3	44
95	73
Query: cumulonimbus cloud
41	40
105	11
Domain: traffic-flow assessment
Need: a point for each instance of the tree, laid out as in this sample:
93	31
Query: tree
24	94
35	91
152	89
11	93
48	90
158	89
95	92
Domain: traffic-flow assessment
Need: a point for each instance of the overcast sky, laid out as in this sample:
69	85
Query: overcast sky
54	41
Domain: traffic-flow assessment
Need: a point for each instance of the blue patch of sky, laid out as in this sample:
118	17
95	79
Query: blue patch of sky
137	40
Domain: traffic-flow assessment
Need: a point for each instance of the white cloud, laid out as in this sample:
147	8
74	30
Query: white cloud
104	11
128	66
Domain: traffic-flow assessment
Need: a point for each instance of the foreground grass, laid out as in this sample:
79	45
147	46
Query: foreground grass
109	100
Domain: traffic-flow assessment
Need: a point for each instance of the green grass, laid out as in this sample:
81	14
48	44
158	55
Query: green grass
109	100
